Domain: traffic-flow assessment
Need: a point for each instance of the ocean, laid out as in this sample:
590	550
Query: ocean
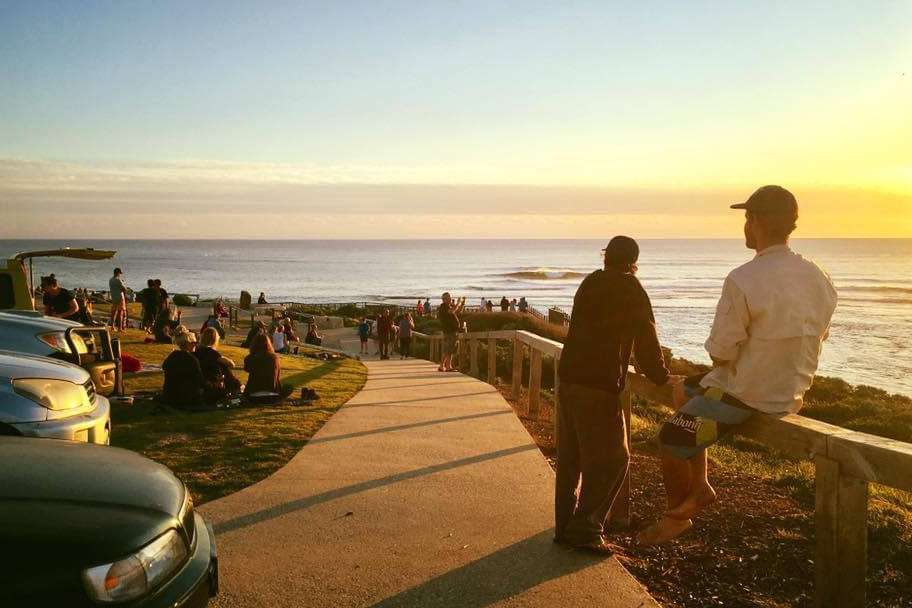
870	341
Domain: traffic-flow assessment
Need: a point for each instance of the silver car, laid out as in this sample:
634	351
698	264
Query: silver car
43	397
36	334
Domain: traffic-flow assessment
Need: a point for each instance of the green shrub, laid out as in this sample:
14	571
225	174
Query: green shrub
181	299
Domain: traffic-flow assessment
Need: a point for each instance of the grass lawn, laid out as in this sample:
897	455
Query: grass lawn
219	452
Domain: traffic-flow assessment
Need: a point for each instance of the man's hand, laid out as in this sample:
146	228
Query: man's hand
678	396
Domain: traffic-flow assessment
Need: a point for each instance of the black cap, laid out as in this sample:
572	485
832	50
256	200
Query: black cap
622	250
770	199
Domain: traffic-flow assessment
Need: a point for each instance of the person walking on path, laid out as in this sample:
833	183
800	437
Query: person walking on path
384	333
118	291
448	315
364	332
406	325
765	342
612	317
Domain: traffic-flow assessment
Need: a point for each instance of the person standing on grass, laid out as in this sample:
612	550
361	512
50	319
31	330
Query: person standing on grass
406	325
364	332
765	342
118	291
149	299
427	306
448	315
612	317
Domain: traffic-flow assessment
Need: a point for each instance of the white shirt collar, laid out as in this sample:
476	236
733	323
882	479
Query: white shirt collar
781	248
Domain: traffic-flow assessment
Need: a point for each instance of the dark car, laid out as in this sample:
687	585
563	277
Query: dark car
89	525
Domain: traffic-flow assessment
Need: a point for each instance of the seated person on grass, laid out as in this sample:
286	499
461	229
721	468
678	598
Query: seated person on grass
258	328
765	342
184	381
313	335
264	369
279	342
220	382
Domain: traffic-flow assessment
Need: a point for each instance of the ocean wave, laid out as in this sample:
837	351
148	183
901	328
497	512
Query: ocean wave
545	274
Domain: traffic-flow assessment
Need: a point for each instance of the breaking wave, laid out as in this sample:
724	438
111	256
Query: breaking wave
545	274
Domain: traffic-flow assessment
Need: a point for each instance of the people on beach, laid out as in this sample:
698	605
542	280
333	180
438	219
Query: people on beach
427	306
489	306
419	308
523	306
118	292
448	315
262	298
184	382
765	342
263	369
58	302
612	317
364	332
513	305
406	326
504	304
384	332
218	380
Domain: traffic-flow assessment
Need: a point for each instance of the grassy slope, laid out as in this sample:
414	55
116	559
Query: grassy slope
219	452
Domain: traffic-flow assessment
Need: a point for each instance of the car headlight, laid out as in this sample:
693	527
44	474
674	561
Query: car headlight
52	394
131	577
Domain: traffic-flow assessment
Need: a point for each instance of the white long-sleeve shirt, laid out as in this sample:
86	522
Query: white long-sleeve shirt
770	323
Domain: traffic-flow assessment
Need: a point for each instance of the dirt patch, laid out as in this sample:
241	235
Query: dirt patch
754	548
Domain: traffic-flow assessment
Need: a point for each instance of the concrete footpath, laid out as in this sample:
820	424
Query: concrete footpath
424	490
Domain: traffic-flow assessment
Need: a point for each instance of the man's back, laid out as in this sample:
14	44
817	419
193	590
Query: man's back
773	315
611	313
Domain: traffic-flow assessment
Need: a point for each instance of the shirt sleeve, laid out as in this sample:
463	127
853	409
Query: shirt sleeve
729	329
646	347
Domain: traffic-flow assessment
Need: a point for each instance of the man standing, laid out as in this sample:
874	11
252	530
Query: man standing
765	342
59	302
612	317
384	332
150	300
118	291
448	315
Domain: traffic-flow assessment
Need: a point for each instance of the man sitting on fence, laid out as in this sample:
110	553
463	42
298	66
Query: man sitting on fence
765	342
612	316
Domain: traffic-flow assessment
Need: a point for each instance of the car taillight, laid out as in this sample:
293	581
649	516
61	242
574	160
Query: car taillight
56	340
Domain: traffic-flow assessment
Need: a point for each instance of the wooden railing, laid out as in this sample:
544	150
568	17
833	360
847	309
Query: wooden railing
845	461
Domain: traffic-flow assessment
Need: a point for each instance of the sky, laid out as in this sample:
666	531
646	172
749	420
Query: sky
451	119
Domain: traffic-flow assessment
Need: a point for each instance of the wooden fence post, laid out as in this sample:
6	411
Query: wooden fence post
620	511
473	353
516	381
492	360
555	414
535	367
840	562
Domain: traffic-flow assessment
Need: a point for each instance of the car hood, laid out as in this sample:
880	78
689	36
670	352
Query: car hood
76	503
36	319
14	364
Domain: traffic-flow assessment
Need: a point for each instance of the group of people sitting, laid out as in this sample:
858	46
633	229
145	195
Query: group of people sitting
282	334
198	375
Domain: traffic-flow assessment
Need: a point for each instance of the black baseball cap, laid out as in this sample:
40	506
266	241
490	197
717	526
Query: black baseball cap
770	200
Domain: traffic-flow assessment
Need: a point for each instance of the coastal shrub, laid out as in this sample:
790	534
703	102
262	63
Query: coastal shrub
181	299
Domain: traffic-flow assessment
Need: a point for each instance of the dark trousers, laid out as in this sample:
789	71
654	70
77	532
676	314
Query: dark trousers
592	455
405	345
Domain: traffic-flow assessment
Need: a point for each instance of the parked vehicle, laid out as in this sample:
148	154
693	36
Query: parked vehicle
83	525
22	328
43	397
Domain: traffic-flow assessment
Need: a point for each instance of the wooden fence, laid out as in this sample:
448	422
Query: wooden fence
845	461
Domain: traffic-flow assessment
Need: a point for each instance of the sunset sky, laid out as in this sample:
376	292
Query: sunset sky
435	119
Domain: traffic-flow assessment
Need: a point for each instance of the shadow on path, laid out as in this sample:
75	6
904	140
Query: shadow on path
440	398
498	576
402	427
303	503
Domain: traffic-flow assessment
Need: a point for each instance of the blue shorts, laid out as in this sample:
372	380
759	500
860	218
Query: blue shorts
710	415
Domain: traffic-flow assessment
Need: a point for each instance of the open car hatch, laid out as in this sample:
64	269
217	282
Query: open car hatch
79	253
